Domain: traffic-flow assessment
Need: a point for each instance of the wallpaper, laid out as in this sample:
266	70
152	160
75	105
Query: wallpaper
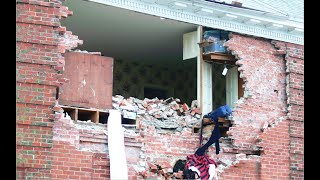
131	78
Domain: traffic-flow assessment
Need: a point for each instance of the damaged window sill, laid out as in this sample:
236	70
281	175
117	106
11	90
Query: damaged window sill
219	58
85	114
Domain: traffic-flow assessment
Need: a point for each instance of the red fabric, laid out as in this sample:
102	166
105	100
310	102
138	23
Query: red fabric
200	162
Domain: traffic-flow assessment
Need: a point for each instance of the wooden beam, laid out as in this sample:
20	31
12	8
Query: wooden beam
219	57
220	119
75	114
95	117
204	43
201	62
207	121
93	112
85	109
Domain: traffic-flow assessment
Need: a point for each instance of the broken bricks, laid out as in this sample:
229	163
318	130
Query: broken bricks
165	114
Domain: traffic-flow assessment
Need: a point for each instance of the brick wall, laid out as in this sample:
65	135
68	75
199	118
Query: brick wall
265	89
277	104
275	152
80	151
162	147
39	43
243	169
294	56
262	105
68	161
50	147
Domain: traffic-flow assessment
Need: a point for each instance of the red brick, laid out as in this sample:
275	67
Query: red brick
38	53
39	49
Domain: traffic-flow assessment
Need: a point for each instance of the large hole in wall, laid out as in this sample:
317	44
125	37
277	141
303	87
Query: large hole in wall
144	65
82	114
141	80
147	52
225	90
226	82
227	86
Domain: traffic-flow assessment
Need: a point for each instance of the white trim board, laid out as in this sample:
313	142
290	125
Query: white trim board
269	30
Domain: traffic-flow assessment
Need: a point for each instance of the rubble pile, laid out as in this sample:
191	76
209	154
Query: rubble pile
160	171
164	114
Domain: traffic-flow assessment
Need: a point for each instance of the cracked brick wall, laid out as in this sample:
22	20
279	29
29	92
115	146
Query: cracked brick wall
162	147
248	168
294	56
268	120
80	151
40	40
264	98
69	162
274	91
275	152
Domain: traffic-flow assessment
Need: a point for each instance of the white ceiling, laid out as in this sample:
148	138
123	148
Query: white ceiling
126	34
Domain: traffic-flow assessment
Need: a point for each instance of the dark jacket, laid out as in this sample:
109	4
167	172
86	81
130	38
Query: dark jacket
222	111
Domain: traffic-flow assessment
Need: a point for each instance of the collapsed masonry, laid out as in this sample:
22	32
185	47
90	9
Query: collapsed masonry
57	148
169	120
162	114
165	135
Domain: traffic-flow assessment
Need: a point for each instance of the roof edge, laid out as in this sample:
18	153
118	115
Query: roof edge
269	31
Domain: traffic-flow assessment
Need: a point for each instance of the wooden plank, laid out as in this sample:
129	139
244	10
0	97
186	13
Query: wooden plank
72	112
85	85
219	57
94	113
74	70
75	114
207	121
85	109
220	119
201	62
204	43
90	82
95	117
